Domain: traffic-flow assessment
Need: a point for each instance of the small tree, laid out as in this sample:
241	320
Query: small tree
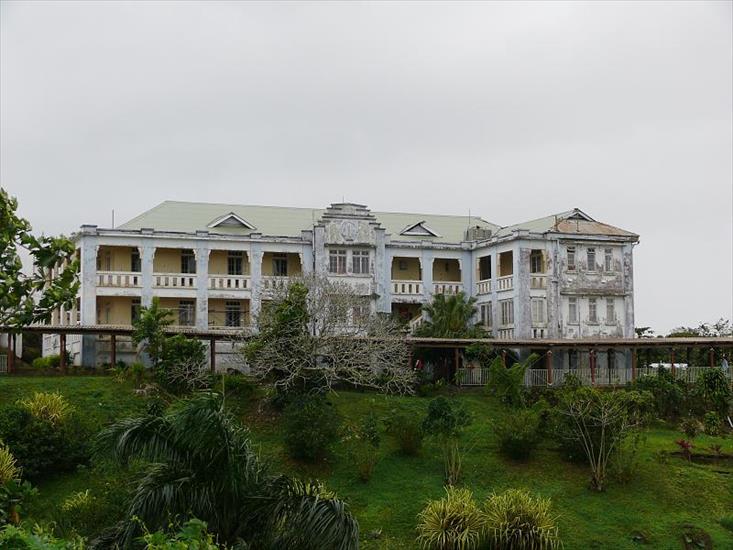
451	316
149	330
600	421
27	298
446	421
507	383
318	333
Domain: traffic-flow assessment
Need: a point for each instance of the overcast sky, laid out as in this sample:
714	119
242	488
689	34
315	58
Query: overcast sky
514	111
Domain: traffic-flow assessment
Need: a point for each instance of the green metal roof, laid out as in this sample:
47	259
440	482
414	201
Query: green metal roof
279	221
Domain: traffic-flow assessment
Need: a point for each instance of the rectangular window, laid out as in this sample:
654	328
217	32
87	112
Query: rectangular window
591	259
610	311
233	314
571	258
360	262
235	262
487	315
507	312
573	311
484	268
135	310
186	312
535	262
135	263
608	259
538	311
280	265
337	261
592	310
188	261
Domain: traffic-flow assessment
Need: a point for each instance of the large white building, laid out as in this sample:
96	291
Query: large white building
563	276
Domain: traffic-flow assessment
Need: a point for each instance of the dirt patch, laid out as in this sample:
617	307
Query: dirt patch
694	538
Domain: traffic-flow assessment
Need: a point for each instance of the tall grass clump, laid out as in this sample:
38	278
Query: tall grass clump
517	520
49	406
451	523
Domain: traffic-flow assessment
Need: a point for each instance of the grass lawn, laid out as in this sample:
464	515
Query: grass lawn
661	503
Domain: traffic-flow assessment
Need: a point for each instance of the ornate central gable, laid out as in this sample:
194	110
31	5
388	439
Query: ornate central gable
349	223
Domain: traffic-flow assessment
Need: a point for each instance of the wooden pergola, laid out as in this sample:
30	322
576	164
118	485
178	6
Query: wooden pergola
457	344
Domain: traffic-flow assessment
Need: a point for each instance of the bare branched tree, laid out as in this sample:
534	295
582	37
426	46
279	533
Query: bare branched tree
318	332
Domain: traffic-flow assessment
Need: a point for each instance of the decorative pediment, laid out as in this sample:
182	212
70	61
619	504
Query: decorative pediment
578	214
349	223
231	220
419	229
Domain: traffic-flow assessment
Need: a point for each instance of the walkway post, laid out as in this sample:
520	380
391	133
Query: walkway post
671	358
11	353
633	365
592	361
113	349
62	352
548	361
711	354
503	358
212	351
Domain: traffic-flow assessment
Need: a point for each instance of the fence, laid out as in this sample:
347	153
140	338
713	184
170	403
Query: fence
600	376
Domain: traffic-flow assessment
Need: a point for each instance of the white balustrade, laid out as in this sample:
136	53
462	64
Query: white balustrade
272	282
483	287
538	282
119	279
229	282
505	283
174	280
447	288
407	287
506	333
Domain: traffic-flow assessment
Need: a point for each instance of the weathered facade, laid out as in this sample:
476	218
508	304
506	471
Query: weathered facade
212	265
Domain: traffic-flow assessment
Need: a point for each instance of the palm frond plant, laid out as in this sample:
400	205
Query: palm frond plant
450	316
202	465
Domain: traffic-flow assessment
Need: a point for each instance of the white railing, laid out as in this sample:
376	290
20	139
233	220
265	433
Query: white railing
407	287
3	363
228	282
506	333
416	322
600	376
483	287
174	280
272	282
538	282
447	288
119	279
505	283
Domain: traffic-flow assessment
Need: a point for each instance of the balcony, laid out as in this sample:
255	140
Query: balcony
483	287
447	288
505	283
229	282
407	288
119	279
274	282
174	280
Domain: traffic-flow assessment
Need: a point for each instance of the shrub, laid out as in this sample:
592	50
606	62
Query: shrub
406	430
312	425
624	463
507	383
691	427
518	435
49	406
193	535
13	494
40	447
713	390
713	423
365	447
8	466
670	395
183	365
35	539
517	520
451	523
445	418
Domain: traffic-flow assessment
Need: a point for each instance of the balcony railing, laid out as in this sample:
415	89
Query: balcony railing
538	282
505	283
174	280
119	279
229	282
447	288
506	333
409	288
483	287
272	282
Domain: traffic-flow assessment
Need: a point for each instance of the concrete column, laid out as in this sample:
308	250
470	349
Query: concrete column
426	266
320	258
382	273
553	289
202	285
496	314
88	291
255	255
522	305
306	256
147	257
628	282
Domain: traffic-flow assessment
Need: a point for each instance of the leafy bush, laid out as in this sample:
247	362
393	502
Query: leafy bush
49	406
671	396
691	427
192	536
713	390
13	494
518	435
38	538
41	448
507	383
625	461
453	522
183	365
312	425
8	466
406	430
517	520
713	423
445	418
365	445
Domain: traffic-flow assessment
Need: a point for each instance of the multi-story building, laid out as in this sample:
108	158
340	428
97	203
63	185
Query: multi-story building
213	265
